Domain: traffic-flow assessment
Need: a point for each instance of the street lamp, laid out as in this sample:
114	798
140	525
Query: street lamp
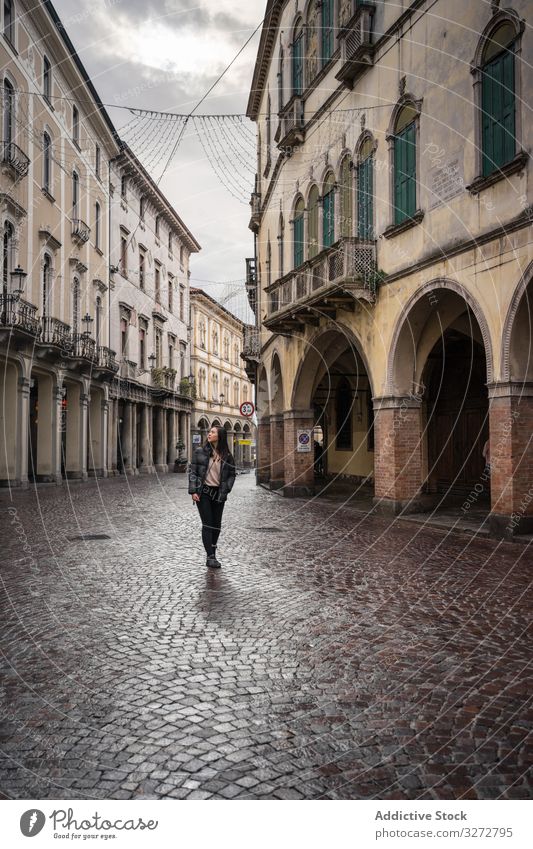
222	399
87	320
18	281
151	359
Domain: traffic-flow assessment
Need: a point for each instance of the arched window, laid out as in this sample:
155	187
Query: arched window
7	257
9	21
343	416
123	187
157	223
75	194
98	319
346	197
236	354
9	113
311	42
226	389
97	225
215	341
404	163
142	207
245	392
76	306
46	285
298	241
281	244
47	78
47	162
269	263
214	383
226	347
235	394
327	31
298	59
328	207
498	98
312	227
201	328
365	190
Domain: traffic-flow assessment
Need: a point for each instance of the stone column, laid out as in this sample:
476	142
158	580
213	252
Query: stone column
511	458
57	418
187	437
126	441
398	454
134	419
146	467
84	435
45	430
263	450
159	441
105	417
277	451
112	431
299	465
23	420
11	434
171	439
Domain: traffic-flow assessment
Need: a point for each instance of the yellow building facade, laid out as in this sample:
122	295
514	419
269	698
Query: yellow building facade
393	219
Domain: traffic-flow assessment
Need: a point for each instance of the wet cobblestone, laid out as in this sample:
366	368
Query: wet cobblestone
339	656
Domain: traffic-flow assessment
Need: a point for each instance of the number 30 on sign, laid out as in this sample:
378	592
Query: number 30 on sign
247	409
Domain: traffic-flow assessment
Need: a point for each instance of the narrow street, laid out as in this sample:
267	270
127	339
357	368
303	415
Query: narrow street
335	655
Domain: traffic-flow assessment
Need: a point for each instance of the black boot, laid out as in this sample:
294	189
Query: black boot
212	562
219	564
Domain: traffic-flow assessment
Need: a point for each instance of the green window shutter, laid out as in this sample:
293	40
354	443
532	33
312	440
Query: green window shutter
327	30
298	241
313	227
297	65
498	139
405	174
328	219
365	198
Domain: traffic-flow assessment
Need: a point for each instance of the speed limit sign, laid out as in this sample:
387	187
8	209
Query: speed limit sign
247	409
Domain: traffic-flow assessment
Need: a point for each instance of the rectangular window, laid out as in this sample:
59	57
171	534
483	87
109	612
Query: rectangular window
123	187
123	256
182	304
327	31
123	336
170	292
298	64
142	268
171	354
329	219
9	21
142	347
498	112
157	277
47	79
405	174
158	348
170	242
75	126
47	162
97	225
97	161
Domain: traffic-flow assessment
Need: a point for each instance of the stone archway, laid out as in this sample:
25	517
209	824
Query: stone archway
263	427
331	400
277	440
432	425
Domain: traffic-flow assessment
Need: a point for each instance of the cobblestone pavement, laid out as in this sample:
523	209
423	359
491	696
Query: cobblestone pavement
334	655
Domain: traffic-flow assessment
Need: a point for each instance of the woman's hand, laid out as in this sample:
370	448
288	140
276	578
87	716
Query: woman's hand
196	497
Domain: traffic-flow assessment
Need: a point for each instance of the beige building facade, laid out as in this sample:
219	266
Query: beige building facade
220	380
393	219
57	140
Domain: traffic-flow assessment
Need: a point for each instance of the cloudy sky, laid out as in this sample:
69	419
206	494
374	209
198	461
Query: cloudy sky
164	55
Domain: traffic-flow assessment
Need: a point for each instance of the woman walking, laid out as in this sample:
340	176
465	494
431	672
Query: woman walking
211	478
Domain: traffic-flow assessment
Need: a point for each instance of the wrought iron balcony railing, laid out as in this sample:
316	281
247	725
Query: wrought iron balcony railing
13	156
128	369
251	349
55	332
19	314
333	279
292	123
80	230
107	359
84	347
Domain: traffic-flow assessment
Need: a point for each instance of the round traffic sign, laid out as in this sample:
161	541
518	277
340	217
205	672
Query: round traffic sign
247	409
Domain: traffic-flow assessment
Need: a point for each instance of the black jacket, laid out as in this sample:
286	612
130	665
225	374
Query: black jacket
198	472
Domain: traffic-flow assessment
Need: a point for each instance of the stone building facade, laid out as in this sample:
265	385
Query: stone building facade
150	398
393	216
220	380
57	140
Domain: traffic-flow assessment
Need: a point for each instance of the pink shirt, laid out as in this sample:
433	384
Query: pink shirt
213	471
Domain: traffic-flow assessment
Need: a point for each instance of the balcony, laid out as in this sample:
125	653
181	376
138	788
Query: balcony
15	158
107	359
335	279
355	38
251	283
81	232
164	378
255	219
84	348
251	350
128	369
19	315
292	130
55	333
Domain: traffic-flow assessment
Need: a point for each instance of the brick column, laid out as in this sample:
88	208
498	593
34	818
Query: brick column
277	451
299	465
263	450
398	454
511	458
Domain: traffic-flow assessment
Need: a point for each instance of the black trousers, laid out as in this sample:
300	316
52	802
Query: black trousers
211	516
